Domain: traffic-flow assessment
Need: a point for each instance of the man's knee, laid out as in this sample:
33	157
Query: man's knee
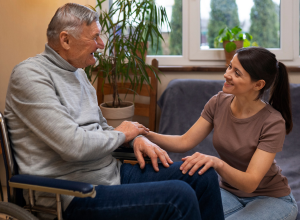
180	187
211	174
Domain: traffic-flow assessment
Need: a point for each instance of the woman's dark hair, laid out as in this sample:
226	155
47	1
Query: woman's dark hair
260	63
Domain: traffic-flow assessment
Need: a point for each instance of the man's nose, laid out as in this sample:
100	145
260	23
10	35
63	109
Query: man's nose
100	43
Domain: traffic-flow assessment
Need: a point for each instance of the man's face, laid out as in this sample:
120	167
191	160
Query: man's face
81	52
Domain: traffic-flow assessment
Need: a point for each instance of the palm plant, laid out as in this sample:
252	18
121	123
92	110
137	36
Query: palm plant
127	26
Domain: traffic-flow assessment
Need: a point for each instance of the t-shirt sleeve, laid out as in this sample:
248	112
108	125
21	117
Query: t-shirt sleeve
209	110
272	135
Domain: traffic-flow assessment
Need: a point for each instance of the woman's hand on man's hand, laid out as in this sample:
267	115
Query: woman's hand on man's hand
132	129
192	163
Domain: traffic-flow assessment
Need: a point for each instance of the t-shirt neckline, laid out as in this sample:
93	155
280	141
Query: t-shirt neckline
245	120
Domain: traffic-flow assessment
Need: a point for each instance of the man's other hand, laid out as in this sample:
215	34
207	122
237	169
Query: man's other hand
131	129
143	147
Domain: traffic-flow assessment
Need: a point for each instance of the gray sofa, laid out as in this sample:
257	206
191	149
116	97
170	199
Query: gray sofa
182	103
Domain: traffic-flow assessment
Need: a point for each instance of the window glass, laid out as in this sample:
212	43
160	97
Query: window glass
172	44
260	18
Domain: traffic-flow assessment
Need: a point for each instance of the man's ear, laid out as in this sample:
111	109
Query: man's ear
259	84
64	39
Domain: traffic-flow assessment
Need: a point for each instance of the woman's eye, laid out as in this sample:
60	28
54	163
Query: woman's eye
229	66
237	74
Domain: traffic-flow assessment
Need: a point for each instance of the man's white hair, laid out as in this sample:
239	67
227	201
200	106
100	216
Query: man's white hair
70	18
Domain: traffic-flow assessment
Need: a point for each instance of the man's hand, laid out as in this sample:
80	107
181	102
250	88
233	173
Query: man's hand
143	147
131	129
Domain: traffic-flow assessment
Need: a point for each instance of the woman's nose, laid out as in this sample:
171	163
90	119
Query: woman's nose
227	75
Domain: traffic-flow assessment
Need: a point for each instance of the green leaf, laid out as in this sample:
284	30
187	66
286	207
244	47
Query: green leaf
226	38
231	46
236	30
248	36
255	44
241	36
221	31
246	43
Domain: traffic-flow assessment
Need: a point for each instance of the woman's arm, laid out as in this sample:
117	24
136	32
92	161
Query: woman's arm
183	143
246	181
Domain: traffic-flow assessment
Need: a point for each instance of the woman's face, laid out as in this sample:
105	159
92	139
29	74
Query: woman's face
238	81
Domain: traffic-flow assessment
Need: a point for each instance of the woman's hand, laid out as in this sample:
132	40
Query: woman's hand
197	160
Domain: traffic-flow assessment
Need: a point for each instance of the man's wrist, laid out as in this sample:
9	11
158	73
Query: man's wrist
131	143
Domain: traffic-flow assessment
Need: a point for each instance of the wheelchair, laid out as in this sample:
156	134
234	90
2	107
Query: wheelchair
17	182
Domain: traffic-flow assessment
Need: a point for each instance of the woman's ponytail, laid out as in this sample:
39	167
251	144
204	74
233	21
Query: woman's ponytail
280	96
260	63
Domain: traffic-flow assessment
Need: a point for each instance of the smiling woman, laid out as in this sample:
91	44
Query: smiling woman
247	135
239	83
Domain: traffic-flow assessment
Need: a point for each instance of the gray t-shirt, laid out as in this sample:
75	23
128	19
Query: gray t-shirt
56	127
236	140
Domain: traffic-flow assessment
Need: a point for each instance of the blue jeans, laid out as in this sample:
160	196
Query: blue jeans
258	207
146	194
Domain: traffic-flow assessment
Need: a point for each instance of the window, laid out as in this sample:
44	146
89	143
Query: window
252	17
267	30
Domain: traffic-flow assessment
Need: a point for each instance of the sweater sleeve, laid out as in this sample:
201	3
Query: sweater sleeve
34	101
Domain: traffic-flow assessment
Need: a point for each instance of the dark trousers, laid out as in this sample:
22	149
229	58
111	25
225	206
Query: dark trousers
146	194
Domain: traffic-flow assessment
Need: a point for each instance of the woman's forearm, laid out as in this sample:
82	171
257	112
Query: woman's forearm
173	143
241	180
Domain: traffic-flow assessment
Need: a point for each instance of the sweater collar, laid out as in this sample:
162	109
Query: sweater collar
55	58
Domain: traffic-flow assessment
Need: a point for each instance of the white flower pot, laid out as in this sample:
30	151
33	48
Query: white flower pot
115	116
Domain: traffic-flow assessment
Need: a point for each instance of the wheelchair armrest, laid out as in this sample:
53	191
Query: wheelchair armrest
125	153
52	185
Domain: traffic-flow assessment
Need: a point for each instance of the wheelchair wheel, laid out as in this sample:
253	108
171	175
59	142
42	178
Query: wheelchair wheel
9	211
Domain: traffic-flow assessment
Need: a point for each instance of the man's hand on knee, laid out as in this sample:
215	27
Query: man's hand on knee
131	129
143	147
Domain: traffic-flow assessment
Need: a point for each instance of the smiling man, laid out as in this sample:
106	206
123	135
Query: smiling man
57	130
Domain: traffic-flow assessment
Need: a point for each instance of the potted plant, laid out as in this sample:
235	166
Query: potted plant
127	26
232	40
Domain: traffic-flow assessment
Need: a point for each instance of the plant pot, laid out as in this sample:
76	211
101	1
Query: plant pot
229	56
115	116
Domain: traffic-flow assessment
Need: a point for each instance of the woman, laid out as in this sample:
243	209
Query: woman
247	135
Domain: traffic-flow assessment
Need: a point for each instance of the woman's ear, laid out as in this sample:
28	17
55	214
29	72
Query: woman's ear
259	84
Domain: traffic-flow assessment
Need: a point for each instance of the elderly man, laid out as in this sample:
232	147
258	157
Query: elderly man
57	130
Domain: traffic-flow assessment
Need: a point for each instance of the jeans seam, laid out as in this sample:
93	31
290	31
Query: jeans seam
233	210
285	217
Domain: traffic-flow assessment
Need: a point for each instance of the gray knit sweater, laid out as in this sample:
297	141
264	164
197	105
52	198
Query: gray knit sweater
56	127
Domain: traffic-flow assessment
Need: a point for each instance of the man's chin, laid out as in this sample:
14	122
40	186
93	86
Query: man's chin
90	63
